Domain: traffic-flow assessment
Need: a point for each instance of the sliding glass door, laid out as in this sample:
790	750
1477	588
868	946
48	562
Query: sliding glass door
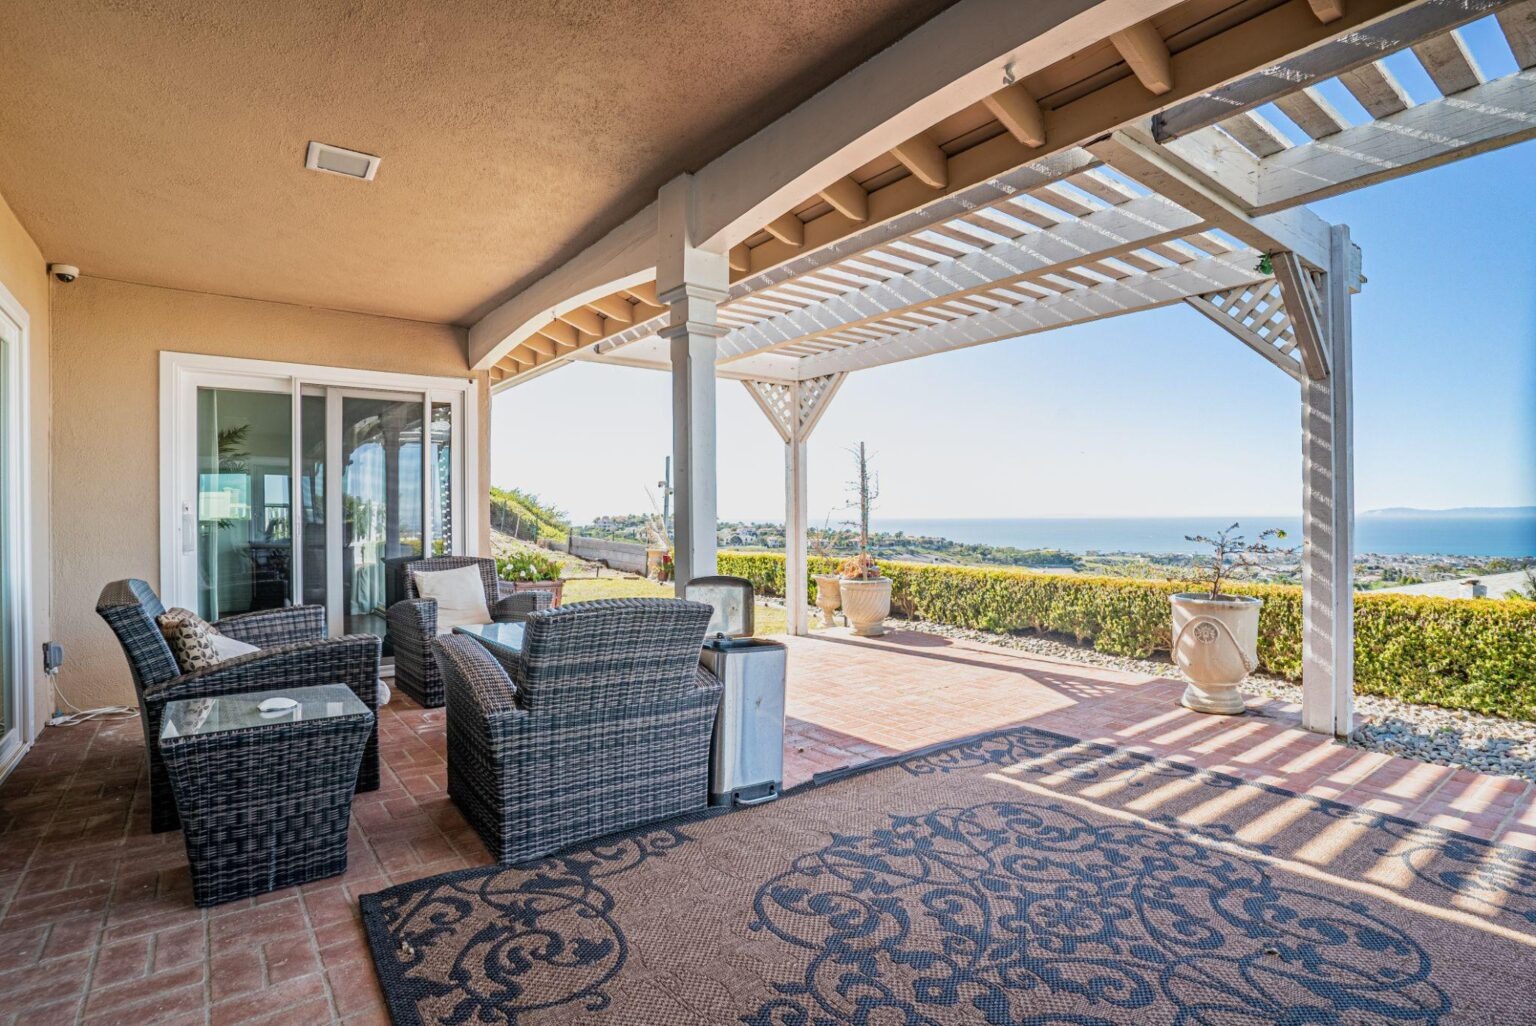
311	492
244	501
382	489
10	686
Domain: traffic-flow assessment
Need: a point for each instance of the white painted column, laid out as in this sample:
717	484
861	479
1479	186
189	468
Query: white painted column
796	611
1328	515
691	283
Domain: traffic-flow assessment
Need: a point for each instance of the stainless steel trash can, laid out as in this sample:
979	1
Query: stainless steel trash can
746	762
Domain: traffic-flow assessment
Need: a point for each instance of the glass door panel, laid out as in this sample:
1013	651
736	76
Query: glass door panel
382	504
244	501
440	478
314	547
9	687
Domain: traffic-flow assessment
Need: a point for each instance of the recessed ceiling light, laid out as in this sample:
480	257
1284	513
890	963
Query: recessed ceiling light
339	161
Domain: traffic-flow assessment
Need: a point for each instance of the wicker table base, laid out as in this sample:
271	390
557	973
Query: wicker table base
265	800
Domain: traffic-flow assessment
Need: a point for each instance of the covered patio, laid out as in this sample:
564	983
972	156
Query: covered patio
223	395
96	918
1050	202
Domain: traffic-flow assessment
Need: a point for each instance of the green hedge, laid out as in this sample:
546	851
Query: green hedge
1458	653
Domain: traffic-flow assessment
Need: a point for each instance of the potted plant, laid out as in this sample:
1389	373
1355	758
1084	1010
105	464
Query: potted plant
1216	635
866	595
828	594
529	571
864	590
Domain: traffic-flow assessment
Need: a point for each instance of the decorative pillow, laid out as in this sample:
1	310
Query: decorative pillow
460	596
190	638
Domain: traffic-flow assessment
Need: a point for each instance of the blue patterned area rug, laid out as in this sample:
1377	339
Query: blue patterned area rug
1017	878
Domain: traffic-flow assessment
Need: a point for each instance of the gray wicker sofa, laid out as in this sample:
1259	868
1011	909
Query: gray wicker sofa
602	723
294	653
413	621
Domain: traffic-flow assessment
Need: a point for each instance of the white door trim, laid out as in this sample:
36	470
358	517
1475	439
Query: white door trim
178	371
18	515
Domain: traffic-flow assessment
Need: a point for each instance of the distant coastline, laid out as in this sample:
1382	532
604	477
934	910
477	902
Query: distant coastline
1507	533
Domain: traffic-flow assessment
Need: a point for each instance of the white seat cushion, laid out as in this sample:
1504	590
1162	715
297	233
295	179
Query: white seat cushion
460	596
230	648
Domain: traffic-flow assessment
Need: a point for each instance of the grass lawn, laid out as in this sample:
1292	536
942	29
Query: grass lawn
767	619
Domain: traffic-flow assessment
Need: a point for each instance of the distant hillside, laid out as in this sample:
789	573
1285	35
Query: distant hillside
524	515
1459	511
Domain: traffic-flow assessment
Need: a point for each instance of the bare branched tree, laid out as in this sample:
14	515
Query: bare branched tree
1230	552
865	489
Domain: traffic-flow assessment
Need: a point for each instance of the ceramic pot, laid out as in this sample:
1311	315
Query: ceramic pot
1216	644
828	597
866	603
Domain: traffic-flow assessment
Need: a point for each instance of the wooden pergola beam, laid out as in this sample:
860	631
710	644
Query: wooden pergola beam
1103	233
1146	54
615	308
1375	28
1486	117
922	156
1069	306
1327	11
586	321
1018	112
847	198
562	334
788	229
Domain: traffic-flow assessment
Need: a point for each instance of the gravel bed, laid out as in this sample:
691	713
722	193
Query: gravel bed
1447	737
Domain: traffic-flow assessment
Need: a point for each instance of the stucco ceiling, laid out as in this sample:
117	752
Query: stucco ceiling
163	142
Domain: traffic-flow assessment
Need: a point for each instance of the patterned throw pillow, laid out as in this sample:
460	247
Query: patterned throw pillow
189	636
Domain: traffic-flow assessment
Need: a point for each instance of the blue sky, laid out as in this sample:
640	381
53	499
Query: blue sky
1154	414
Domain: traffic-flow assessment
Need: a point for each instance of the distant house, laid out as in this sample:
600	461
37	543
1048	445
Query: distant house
1494	586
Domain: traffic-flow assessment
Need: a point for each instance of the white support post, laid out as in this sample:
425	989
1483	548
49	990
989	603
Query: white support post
1328	619
691	282
794	409
796	611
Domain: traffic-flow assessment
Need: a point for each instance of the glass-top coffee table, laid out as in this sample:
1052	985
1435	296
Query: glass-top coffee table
504	640
265	796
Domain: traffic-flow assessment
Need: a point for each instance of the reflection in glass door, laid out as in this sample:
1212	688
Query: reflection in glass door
382	498
10	738
244	507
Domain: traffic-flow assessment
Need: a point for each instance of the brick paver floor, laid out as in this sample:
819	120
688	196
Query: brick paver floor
96	917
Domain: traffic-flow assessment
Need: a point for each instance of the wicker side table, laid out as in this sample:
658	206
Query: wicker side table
265	798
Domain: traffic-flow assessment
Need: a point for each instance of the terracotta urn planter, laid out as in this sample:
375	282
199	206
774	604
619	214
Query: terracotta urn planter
555	588
866	604
1216	644
828	597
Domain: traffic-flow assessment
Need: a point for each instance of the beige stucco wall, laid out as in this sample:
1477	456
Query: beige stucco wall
107	339
25	275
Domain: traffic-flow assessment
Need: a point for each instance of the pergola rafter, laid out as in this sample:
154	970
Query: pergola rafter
1037	209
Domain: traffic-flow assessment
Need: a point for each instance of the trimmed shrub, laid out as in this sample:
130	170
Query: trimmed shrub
1477	654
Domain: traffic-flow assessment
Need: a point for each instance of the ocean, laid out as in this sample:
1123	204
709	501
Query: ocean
1419	533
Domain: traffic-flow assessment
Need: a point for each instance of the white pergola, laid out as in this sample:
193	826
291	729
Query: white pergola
1154	181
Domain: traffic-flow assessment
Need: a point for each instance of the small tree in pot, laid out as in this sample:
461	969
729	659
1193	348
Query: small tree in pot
866	593
1216	635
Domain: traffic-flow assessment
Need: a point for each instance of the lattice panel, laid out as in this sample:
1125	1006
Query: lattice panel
1257	316
777	400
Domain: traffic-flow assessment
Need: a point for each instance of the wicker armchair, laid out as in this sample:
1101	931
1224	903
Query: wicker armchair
601	724
413	622
294	653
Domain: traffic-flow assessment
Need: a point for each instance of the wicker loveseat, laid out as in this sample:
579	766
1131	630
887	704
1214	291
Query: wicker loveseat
602	723
413	621
294	653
